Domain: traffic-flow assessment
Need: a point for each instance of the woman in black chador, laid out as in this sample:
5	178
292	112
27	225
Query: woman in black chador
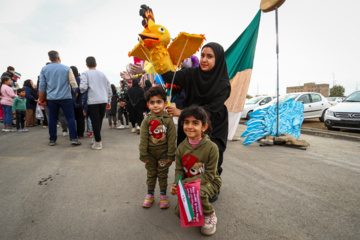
208	86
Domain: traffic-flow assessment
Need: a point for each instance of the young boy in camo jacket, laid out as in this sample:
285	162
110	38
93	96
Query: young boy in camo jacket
157	145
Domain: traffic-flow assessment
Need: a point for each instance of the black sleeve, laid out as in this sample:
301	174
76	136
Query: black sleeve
180	78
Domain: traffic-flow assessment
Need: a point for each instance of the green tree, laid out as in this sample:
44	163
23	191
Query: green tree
248	96
337	91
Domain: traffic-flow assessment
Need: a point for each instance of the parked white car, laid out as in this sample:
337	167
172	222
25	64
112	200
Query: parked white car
315	104
253	103
335	100
345	114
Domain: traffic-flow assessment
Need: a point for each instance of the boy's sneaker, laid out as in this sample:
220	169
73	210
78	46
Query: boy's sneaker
127	126
12	130
97	145
52	143
3	129
24	130
149	200
75	142
7	130
164	202
92	141
121	127
65	134
45	126
19	130
132	130
114	126
210	224
138	130
110	126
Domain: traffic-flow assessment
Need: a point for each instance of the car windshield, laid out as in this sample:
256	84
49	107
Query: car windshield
254	100
331	98
284	98
354	97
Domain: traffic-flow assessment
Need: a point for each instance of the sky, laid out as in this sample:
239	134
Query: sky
319	41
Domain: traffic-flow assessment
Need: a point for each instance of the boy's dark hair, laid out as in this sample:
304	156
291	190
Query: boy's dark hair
53	55
10	68
20	90
198	113
91	62
155	91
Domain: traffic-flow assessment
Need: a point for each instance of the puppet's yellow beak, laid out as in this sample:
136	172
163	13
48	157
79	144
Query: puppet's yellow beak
150	39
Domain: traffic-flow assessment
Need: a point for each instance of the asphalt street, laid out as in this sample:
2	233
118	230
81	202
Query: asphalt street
74	192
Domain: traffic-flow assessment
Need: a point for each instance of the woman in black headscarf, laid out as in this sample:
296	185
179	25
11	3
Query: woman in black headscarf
31	101
208	86
147	85
136	105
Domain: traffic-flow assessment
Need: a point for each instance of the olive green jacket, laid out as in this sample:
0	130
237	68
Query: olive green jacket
150	143
207	154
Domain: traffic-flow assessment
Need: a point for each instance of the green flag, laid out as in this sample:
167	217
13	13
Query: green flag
240	58
240	55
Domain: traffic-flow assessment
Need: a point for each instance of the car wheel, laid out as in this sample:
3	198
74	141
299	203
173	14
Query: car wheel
248	116
322	116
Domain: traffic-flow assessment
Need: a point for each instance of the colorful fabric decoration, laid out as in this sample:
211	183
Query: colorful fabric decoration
263	122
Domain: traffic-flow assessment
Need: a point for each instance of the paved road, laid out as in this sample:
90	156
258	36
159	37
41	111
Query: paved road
66	192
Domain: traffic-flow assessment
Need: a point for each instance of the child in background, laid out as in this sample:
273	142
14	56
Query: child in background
7	96
19	110
112	111
157	145
197	158
122	106
85	109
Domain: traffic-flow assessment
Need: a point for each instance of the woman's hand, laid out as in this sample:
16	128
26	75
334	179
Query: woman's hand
173	189
173	111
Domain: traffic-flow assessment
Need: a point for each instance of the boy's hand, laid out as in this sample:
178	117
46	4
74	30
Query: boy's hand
145	161
173	189
108	106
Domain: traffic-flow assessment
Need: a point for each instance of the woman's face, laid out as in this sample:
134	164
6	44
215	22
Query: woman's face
207	59
121	84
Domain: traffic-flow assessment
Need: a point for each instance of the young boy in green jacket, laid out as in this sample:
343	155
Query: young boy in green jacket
157	145
19	109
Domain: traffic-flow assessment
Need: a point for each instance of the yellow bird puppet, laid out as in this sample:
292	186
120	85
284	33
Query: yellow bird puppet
154	41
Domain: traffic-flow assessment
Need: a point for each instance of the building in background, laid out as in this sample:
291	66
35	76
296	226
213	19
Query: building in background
323	89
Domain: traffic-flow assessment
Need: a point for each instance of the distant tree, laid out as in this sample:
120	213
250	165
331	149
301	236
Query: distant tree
337	91
248	96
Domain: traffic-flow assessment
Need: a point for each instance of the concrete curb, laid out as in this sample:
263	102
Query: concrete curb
311	131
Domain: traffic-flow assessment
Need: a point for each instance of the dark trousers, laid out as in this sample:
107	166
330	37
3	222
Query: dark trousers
20	119
136	115
96	113
68	110
80	121
112	118
122	111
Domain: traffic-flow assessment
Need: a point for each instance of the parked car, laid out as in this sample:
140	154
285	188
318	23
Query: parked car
252	103
315	104
345	114
335	100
